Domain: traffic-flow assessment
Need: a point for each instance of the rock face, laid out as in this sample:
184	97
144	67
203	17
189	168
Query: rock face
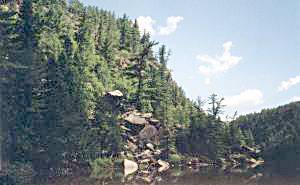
141	135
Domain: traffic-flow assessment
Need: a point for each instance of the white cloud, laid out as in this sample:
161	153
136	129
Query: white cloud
294	99
148	24
285	85
172	24
246	99
207	81
212	66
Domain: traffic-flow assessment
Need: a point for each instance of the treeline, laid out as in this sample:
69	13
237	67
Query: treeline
207	135
277	132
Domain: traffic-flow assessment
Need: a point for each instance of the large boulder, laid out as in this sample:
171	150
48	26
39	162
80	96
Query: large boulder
135	119
129	167
148	132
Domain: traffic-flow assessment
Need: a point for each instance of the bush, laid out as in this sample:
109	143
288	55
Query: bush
175	158
101	166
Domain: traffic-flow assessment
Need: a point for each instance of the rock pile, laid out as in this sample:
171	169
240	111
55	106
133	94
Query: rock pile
142	153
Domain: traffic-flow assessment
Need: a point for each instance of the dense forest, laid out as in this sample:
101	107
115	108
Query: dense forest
276	131
59	59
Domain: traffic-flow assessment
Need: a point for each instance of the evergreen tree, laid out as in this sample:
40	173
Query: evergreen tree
135	37
216	106
139	67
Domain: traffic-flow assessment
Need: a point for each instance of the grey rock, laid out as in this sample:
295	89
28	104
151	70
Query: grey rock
135	119
148	132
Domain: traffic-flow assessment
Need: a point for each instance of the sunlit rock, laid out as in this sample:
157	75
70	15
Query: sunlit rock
135	119
150	146
163	165
129	167
115	93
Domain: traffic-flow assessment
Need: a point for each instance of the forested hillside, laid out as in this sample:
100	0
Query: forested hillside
276	131
59	60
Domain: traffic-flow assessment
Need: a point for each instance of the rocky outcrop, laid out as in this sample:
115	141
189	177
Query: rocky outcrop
140	132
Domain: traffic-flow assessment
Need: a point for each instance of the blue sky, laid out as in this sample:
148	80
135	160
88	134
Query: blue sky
244	50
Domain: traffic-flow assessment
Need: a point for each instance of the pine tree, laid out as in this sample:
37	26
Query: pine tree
125	35
216	106
135	37
139	67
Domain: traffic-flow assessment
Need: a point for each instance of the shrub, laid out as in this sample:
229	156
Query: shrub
175	158
100	166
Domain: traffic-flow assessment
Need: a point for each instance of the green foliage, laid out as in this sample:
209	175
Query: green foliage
100	165
176	158
58	60
275	131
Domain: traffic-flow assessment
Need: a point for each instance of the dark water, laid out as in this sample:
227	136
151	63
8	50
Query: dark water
189	176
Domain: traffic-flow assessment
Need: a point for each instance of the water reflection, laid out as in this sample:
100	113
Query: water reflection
185	176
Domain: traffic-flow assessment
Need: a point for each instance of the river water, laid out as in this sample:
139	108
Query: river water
188	176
